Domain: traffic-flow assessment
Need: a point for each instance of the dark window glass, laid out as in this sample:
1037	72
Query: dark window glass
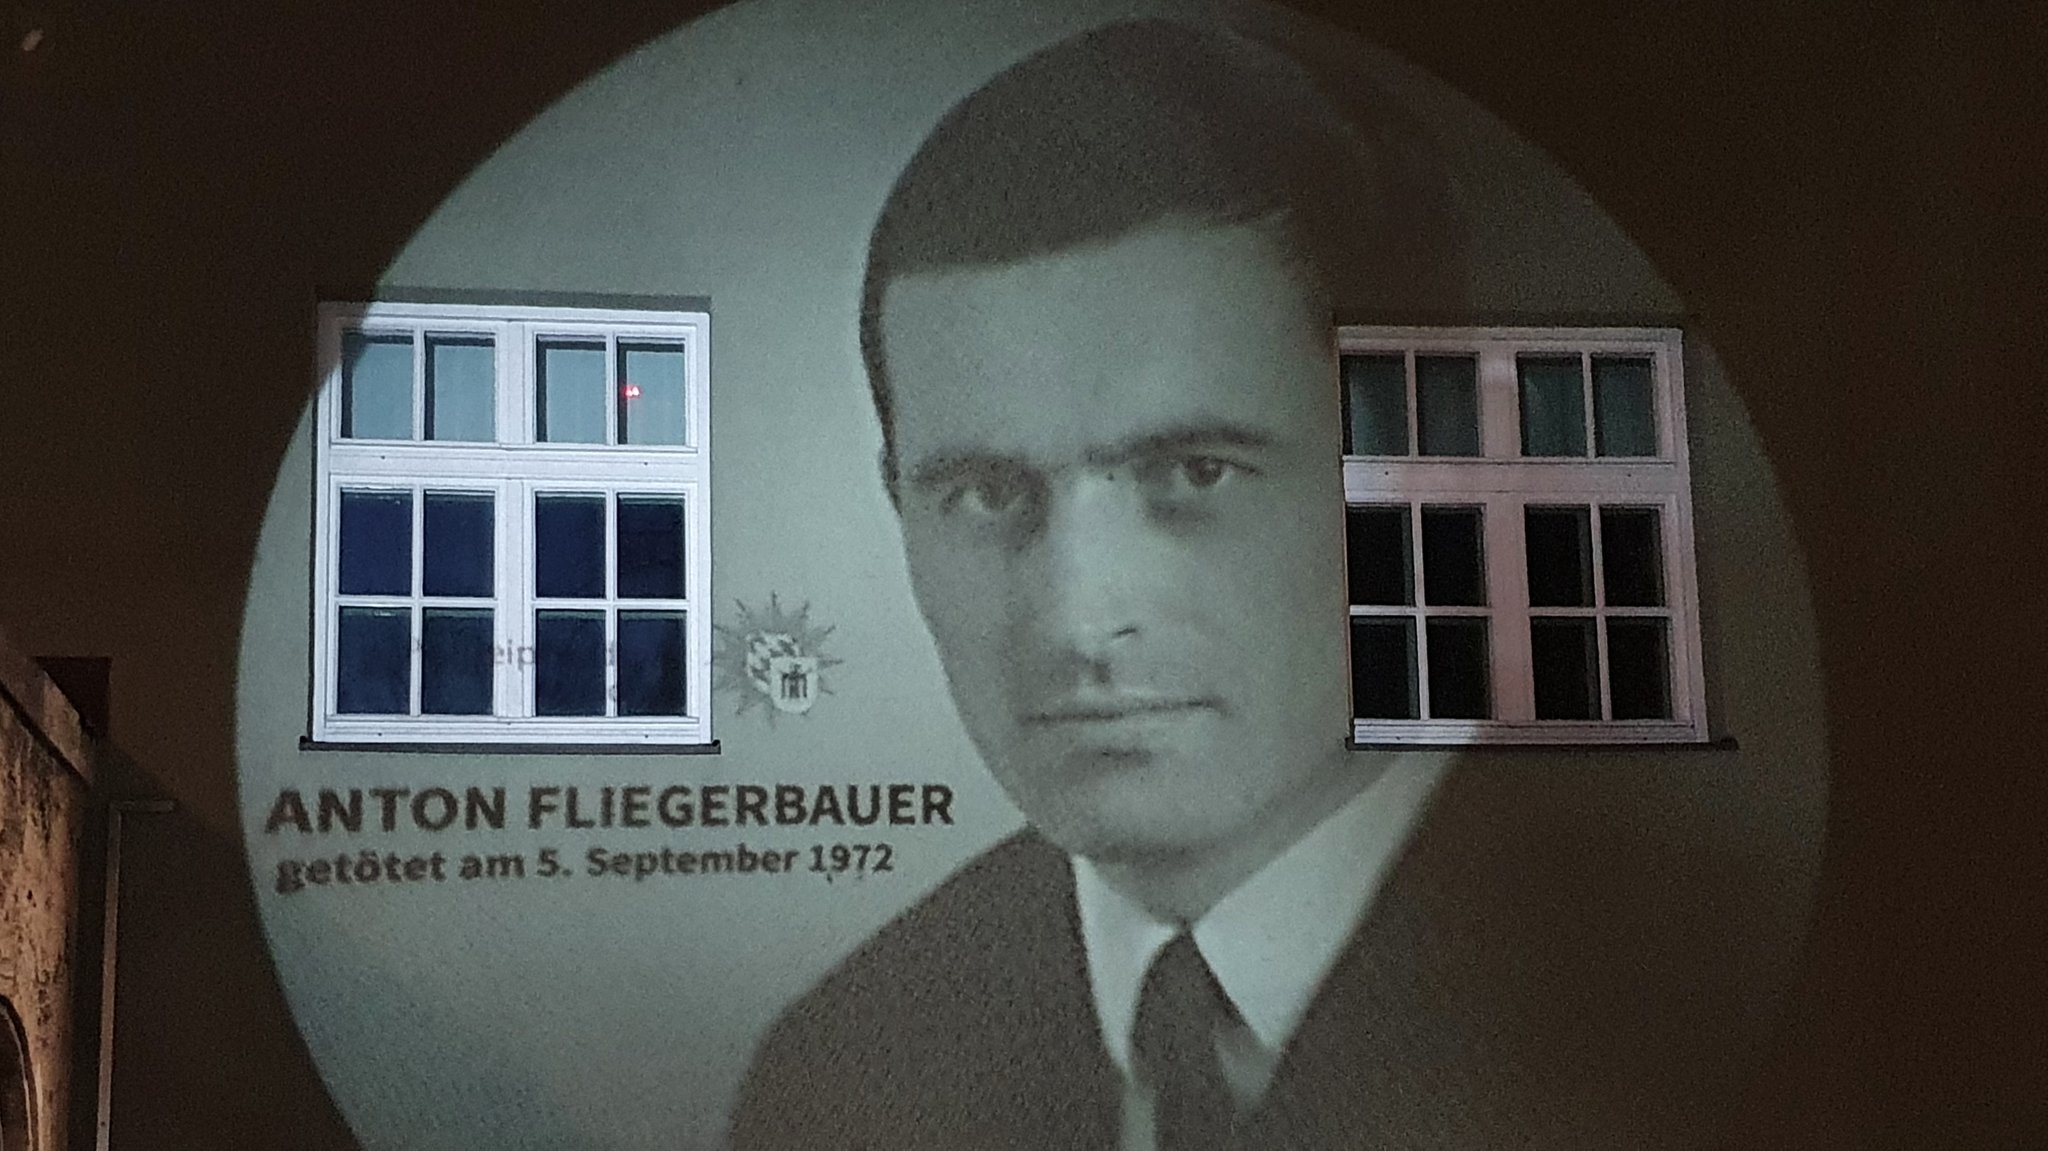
462	387
1559	542
650	548
572	393
1383	681
1453	563
568	546
653	396
373	665
1624	406
1632	557
456	552
376	387
1458	669
651	663
1553	406
1380	557
376	543
1638	668
568	663
1447	405
456	645
1567	660
1375	405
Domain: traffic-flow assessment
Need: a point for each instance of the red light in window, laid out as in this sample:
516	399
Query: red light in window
632	391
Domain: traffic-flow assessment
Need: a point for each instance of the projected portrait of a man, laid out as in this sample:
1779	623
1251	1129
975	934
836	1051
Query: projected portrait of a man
1097	321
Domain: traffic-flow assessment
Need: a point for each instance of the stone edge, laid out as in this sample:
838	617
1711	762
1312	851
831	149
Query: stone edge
46	709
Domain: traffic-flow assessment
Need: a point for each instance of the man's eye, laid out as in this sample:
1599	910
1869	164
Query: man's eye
1205	471
987	497
1189	474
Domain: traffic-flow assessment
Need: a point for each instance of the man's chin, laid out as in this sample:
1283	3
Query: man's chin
1146	806
1131	833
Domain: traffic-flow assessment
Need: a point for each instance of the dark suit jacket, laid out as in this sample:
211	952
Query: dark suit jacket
1525	979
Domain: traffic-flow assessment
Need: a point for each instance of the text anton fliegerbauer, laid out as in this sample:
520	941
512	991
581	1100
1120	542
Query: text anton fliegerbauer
353	812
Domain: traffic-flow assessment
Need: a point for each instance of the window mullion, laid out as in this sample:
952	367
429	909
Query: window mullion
1591	428
611	602
1420	612
1507	588
1593	508
513	384
696	577
1414	399
506	599
419	384
611	389
415	653
1498	404
1680	607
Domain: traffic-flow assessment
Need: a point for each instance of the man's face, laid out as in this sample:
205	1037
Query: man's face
1122	511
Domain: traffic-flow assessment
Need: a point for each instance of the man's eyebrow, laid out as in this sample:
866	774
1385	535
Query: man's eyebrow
1178	440
950	468
946	470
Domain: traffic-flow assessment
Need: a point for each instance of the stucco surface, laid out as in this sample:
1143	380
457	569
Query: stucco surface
42	810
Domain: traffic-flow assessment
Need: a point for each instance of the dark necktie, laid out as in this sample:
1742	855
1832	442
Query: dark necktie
1180	1008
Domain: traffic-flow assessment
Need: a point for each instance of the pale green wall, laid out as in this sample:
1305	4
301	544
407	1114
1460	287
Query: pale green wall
742	159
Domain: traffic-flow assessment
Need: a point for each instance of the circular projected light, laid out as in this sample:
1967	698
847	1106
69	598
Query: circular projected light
639	748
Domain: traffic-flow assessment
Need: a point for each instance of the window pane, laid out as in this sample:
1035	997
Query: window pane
568	546
1632	557
1567	659
1560	546
1453	567
650	548
568	663
376	543
1383	668
651	663
1624	406
1553	406
376	387
462	387
1447	405
1381	562
1457	669
1638	668
572	393
372	664
653	396
455	661
456	543
1375	405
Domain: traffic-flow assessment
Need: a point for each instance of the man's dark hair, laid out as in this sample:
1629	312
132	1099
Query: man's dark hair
1134	123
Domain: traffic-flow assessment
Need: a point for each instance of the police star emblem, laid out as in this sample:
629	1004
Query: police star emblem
773	657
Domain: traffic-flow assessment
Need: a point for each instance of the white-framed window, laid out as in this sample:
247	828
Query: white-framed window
512	522
1519	536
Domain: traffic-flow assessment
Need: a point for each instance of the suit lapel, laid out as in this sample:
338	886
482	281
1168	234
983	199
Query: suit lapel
1400	1044
1040	1036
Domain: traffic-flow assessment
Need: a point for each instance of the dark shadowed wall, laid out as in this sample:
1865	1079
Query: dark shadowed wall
1834	195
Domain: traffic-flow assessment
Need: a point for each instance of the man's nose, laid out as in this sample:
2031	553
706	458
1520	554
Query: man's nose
1088	592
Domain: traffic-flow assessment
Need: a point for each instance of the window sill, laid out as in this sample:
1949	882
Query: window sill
306	743
1723	743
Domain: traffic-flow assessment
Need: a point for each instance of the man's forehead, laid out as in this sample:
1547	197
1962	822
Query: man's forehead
1076	352
1185	260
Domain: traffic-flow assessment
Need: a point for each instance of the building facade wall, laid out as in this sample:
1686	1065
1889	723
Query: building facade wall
45	795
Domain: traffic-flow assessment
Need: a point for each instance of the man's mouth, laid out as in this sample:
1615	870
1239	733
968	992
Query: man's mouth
1119	710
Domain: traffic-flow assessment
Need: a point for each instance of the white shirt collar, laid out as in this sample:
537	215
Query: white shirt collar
1273	939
